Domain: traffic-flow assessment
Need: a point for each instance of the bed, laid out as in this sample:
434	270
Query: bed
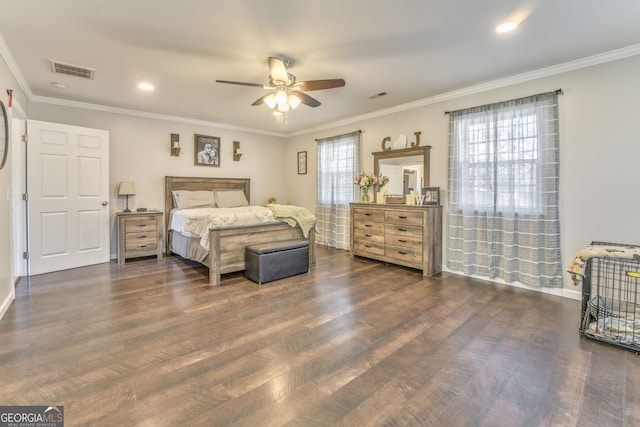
225	253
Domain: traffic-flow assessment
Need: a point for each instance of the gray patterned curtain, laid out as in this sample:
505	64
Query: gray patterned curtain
503	191
338	163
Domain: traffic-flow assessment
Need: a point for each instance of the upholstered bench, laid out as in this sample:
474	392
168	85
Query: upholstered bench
266	262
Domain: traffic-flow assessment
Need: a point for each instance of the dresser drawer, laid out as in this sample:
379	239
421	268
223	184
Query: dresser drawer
400	217
137	225
368	249
404	255
406	241
368	215
368	228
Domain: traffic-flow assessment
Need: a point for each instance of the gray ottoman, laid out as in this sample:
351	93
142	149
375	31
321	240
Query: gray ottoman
266	262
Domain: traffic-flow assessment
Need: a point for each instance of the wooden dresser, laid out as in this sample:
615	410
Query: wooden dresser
139	234
399	234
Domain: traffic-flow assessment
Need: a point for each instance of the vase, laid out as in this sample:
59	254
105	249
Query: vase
365	195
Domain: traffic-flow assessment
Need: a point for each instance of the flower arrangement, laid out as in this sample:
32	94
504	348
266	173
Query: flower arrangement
366	180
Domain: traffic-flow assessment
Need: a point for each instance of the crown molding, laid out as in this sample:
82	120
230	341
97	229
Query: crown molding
564	67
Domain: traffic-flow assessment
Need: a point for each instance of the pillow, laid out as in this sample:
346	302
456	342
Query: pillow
185	199
231	198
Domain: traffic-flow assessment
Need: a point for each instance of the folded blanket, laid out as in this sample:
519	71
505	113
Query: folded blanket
294	215
579	262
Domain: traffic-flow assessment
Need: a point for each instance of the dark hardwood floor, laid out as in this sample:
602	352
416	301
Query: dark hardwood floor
353	343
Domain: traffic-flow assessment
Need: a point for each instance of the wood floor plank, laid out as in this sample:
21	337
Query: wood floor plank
354	342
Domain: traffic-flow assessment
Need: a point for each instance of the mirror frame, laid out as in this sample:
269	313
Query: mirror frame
423	151
4	142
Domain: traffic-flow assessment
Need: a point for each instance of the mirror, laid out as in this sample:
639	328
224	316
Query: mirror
4	135
407	169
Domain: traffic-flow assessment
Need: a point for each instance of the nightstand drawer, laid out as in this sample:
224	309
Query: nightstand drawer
133	225
141	240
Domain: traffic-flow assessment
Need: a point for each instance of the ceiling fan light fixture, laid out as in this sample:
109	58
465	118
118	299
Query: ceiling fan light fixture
270	101
294	101
283	107
281	97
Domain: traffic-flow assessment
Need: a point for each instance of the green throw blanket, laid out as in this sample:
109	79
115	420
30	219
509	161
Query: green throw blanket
294	215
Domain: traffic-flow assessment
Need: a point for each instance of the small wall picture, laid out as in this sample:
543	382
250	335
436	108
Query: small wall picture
431	195
302	163
207	150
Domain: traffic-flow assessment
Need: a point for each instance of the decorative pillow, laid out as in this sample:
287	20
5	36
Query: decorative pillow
185	199
231	198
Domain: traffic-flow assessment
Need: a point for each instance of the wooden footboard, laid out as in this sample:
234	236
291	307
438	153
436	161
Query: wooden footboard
226	253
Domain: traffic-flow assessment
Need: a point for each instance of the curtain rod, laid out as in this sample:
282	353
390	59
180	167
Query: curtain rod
359	130
557	92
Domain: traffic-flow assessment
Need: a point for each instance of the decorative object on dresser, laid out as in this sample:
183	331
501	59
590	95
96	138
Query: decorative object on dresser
207	150
127	188
139	234
431	195
406	235
302	163
401	143
175	144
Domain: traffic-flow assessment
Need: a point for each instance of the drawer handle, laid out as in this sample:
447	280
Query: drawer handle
402	229
368	246
402	217
141	237
368	225
368	214
402	253
141	225
141	246
402	241
367	235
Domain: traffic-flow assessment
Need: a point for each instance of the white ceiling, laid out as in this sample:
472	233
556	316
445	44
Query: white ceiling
411	49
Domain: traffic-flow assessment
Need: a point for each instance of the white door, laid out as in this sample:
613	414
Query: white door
68	188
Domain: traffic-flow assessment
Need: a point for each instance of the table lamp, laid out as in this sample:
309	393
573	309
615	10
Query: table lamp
127	189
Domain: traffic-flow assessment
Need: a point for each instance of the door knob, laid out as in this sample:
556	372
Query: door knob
105	203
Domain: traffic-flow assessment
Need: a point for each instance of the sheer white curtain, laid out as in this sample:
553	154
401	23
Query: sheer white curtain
338	164
503	191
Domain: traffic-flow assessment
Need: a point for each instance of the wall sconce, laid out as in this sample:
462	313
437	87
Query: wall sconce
127	188
175	144
237	153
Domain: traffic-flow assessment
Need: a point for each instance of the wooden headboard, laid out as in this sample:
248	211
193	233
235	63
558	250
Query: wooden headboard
190	183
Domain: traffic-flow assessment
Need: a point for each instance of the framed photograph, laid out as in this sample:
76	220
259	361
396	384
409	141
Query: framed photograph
207	150
431	195
302	163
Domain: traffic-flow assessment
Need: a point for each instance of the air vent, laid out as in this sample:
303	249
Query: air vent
72	70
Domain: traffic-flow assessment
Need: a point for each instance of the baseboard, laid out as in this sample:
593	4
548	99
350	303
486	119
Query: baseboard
560	292
7	303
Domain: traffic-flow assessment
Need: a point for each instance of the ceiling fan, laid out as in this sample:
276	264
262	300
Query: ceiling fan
285	92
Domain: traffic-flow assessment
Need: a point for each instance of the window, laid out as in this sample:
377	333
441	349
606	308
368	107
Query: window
338	163
503	191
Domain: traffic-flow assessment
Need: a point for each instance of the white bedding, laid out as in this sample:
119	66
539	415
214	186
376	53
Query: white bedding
196	222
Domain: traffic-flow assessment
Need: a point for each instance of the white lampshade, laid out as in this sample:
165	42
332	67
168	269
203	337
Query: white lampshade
270	101
281	98
127	188
294	101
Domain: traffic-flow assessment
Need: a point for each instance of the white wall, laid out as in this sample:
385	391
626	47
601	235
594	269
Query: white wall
600	151
7	273
140	152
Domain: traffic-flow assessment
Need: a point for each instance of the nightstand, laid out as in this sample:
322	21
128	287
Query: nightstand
139	234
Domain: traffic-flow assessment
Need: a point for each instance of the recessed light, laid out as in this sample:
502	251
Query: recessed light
506	27
145	86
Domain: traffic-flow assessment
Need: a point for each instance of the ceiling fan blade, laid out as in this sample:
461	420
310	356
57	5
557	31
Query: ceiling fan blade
260	100
239	83
278	71
321	84
307	100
